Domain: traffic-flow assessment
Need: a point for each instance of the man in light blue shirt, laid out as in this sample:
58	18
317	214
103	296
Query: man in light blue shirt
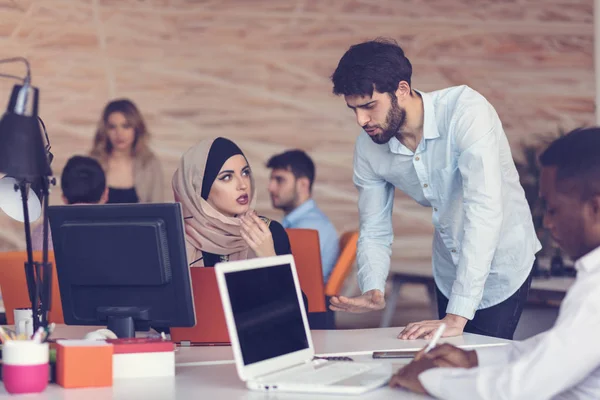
448	151
290	186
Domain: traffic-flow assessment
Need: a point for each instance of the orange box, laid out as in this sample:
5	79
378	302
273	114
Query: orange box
84	363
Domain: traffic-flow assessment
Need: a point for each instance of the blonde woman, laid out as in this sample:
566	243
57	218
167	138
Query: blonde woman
133	172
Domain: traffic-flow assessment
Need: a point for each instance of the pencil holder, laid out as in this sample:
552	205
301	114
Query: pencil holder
24	366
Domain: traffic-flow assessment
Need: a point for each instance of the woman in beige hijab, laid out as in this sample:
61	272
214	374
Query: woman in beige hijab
215	187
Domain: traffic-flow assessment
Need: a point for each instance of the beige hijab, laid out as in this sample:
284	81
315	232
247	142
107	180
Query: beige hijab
206	228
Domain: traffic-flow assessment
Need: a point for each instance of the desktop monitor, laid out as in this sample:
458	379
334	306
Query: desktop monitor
122	265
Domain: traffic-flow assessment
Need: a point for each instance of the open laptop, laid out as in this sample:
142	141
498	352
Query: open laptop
270	336
210	328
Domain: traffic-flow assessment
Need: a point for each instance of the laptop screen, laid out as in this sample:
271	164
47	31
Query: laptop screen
266	311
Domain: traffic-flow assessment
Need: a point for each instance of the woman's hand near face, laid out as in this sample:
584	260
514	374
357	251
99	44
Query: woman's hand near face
257	234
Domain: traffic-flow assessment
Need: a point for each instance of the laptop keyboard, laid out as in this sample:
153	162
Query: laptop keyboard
327	373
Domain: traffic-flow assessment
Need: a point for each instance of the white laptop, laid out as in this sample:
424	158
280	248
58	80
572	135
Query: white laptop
270	336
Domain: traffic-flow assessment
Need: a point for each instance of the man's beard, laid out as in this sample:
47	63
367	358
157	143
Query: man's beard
287	205
394	121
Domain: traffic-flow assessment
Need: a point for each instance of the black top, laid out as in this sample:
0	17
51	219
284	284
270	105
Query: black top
281	243
119	195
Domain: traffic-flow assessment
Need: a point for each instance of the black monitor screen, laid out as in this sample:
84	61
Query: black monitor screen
122	260
266	312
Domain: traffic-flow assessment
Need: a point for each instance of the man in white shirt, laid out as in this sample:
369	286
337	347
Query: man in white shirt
564	362
448	151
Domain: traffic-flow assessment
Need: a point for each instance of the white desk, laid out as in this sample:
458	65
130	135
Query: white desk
366	341
200	382
354	342
209	372
351	342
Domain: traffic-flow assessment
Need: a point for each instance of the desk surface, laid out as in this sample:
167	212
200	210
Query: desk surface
210	371
365	341
326	343
198	382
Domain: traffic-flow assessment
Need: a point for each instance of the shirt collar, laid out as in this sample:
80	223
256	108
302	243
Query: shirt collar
430	130
589	262
299	212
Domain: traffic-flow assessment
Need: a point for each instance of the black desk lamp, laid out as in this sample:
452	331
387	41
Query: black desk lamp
23	156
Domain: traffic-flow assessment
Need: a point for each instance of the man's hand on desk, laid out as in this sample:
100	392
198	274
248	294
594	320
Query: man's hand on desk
408	377
449	356
425	329
443	356
369	301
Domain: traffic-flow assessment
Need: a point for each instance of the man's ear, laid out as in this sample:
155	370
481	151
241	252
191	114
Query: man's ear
403	90
595	208
303	184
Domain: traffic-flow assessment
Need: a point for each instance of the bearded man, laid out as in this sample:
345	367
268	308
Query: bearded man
448	151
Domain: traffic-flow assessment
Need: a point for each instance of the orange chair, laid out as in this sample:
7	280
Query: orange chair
307	255
14	285
344	263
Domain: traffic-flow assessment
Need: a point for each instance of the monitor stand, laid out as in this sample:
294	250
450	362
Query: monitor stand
121	320
123	327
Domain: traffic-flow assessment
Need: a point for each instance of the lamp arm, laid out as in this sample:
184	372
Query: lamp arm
48	147
46	290
29	266
27	78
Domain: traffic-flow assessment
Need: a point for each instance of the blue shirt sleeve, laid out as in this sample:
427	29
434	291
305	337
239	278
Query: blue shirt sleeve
480	169
375	204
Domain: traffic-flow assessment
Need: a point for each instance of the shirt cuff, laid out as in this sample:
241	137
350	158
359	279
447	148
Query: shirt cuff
449	383
463	306
372	282
432	381
492	355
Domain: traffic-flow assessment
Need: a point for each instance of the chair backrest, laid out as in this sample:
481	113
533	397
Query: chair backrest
210	318
13	285
307	255
344	263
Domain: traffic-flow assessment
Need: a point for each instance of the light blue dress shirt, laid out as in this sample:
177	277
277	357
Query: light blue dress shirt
484	242
309	216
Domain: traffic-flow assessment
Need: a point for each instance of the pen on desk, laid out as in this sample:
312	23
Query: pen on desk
436	336
48	331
